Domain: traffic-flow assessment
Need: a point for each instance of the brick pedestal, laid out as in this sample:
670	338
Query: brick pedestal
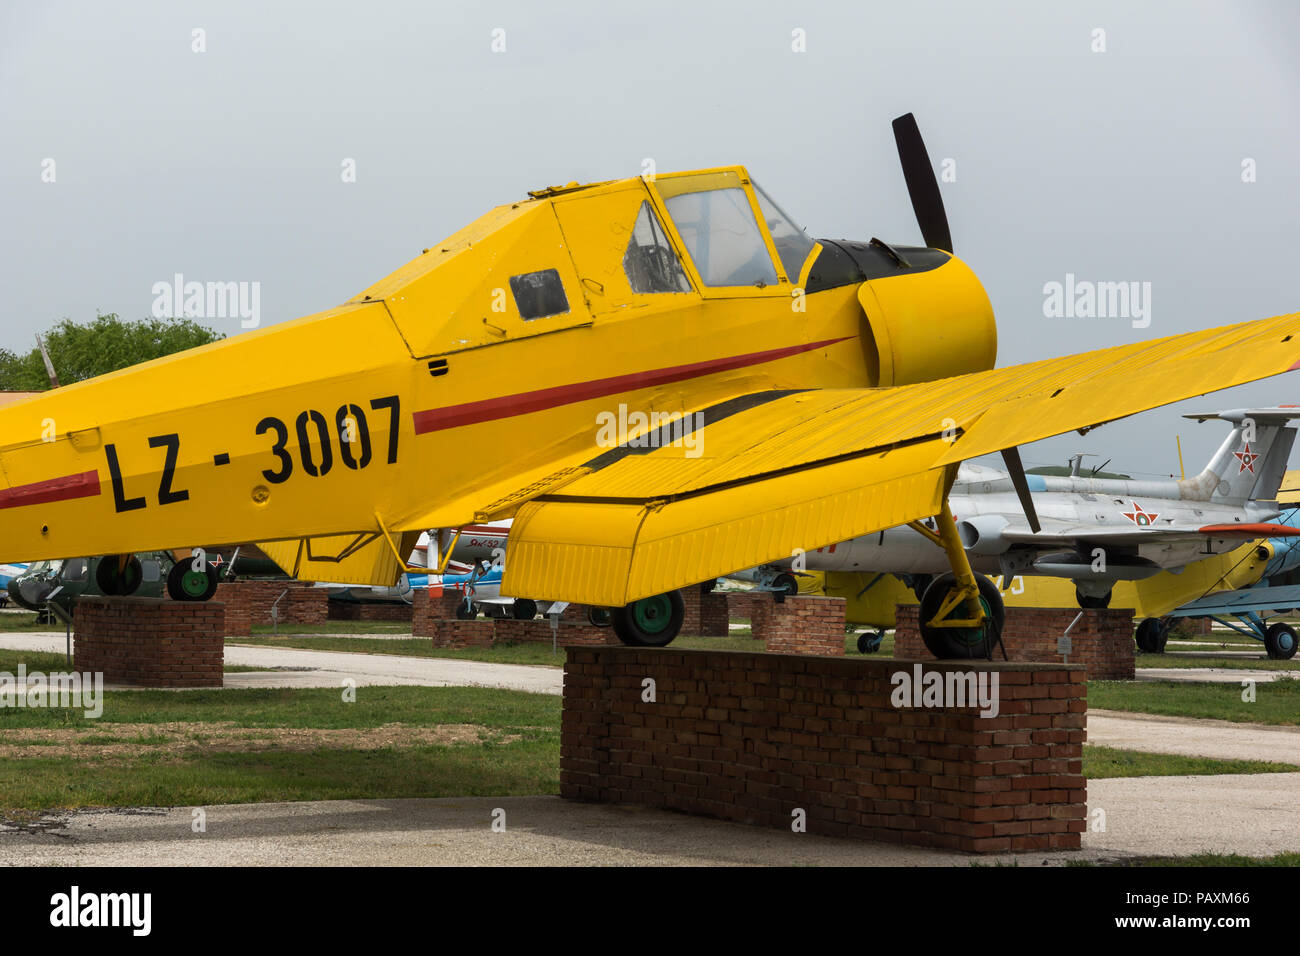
358	611
295	602
430	608
1102	641
747	605
453	633
755	738
570	634
706	614
802	625
150	641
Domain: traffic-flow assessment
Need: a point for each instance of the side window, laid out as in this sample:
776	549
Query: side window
650	263
722	237
539	294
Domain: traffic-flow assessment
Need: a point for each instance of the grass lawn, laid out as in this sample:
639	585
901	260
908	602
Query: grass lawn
1261	663
163	748
1276	702
1101	763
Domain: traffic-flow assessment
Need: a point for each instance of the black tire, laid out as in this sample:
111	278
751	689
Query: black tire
948	643
650	622
786	584
524	609
869	643
708	586
918	583
186	584
118	584
600	616
1092	603
466	611
1151	636
1280	641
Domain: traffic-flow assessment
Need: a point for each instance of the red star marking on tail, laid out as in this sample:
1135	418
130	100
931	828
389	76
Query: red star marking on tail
1143	519
1247	459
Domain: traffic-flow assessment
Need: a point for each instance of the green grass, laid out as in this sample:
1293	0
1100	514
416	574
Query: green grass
20	621
48	662
1197	859
1101	763
1182	661
528	765
1276	702
336	627
524	652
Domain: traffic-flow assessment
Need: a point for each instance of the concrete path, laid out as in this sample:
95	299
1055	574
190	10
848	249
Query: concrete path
294	667
1194	737
1212	675
1163	816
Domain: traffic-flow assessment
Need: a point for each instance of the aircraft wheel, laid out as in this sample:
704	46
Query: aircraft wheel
1280	641
113	582
524	609
1089	603
650	622
869	643
466	611
961	642
600	616
1151	636
186	584
786	584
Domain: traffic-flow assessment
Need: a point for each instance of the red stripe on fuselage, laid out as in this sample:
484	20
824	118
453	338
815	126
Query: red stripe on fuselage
84	485
521	403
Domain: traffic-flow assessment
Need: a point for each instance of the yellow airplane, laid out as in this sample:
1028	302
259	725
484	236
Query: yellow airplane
661	380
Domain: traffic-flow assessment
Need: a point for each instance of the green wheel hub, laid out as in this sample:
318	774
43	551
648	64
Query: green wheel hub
971	636
653	614
194	583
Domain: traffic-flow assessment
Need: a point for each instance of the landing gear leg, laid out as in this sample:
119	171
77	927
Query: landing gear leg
961	613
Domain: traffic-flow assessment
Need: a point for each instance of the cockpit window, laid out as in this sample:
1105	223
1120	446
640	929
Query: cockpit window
650	262
792	243
713	216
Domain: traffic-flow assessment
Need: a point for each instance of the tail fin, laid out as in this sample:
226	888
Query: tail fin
1250	463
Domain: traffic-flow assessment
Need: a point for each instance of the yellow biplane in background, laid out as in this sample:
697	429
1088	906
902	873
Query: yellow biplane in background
661	380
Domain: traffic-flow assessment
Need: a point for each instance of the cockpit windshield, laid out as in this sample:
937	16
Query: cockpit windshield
792	243
712	214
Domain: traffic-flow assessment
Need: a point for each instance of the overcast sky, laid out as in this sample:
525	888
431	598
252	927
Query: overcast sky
1122	165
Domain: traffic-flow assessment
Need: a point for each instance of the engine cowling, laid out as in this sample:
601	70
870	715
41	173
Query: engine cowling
930	325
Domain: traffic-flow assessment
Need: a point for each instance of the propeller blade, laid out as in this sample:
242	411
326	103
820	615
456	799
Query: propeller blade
922	185
1011	456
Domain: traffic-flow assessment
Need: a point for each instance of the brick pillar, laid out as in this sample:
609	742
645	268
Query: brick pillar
151	642
706	614
803	625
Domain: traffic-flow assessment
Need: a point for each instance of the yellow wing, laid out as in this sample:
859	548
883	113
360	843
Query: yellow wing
760	476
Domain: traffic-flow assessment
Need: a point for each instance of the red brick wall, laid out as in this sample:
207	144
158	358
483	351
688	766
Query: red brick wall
356	611
748	605
477	633
571	633
429	607
1102	641
150	641
753	737
301	604
803	625
706	614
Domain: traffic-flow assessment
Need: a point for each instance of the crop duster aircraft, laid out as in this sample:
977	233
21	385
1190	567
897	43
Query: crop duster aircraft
827	389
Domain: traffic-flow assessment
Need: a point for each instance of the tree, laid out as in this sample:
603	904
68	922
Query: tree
83	351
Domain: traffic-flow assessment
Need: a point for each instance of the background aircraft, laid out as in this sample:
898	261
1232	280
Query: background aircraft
1094	531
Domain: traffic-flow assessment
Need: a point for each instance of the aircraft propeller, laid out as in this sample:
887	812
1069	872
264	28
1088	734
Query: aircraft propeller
927	205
